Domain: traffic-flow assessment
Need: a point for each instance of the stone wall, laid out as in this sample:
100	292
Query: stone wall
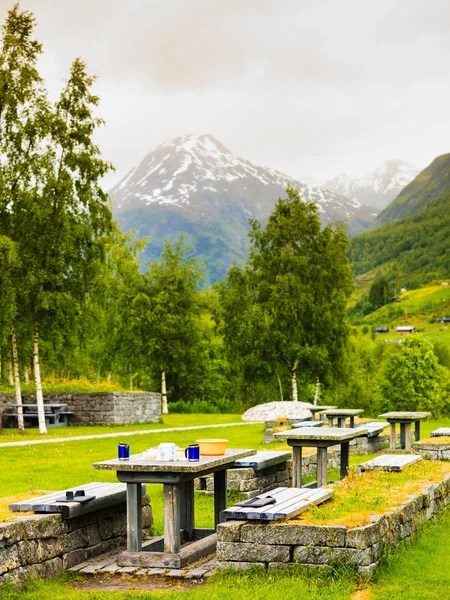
45	544
433	451
103	408
250	483
242	544
369	445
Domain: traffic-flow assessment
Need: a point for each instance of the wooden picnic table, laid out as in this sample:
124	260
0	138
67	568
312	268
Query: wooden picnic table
177	478
320	438
318	409
341	415
55	414
405	419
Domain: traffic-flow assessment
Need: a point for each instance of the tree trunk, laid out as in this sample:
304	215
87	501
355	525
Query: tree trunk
294	382
26	376
164	407
37	379
109	377
130	376
20	423
10	370
280	385
316	392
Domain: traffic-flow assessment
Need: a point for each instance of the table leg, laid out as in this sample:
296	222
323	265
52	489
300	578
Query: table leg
172	537
330	421
417	431
134	517
402	435
220	494
341	422
321	467
345	449
392	438
407	436
297	467
187	508
352	422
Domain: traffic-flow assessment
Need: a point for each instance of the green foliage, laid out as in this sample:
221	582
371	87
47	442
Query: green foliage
414	379
202	407
380	292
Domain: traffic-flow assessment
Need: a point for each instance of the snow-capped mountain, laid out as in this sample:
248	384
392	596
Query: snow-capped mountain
378	188
193	185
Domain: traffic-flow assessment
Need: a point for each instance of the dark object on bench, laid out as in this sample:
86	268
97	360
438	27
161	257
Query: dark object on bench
78	496
257	501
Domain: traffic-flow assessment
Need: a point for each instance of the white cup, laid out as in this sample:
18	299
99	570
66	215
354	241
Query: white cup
167	451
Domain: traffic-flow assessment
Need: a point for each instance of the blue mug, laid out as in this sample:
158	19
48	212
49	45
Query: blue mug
192	452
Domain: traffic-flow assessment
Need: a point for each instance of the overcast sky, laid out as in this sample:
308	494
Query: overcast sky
310	87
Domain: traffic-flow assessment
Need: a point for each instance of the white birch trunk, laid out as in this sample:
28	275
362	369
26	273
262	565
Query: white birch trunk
37	380
20	423
294	382
164	407
10	370
280	387
316	392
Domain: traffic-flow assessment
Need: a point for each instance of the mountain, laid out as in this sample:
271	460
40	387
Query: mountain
429	184
411	251
193	185
377	188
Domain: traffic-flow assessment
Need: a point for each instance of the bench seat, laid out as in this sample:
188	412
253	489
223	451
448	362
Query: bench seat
106	495
262	460
389	462
308	424
289	503
440	431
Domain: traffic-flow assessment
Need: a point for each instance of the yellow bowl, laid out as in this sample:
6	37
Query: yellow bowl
212	447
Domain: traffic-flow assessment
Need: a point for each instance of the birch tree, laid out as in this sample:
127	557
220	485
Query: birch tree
301	281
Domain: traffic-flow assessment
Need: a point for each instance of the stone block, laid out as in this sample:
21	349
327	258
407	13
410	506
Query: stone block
363	537
223	565
73	557
43	526
243	552
9	559
11	533
367	570
229	531
105	529
294	534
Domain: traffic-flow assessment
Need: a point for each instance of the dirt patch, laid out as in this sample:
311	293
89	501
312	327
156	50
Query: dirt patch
361	595
143	584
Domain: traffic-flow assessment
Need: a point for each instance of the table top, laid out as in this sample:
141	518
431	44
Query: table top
342	412
320	407
405	416
337	434
139	464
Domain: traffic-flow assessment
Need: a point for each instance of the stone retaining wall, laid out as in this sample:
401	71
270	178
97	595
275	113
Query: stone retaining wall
242	545
250	483
369	445
45	544
102	408
435	451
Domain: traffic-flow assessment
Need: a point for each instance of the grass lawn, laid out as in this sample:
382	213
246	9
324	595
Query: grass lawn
175	420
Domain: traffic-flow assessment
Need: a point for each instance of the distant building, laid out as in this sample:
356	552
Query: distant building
443	320
396	299
382	330
444	283
405	329
403	290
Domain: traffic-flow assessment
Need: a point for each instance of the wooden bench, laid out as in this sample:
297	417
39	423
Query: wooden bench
389	462
373	428
308	424
31	417
289	503
106	495
262	460
440	431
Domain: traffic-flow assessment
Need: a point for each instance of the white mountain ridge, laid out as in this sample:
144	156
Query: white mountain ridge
378	188
182	171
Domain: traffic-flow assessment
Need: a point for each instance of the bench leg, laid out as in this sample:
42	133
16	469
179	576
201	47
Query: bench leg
330	421
321	467
220	495
345	449
392	437
172	535
187	508
297	467
402	435
341	422
407	436
352	422
134	517
417	431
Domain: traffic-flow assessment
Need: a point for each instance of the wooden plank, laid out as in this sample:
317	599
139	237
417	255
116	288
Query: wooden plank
308	424
220	494
134	517
187	508
197	550
417	431
440	431
407	445
390	462
392	437
297	467
172	538
344	462
322	466
263	459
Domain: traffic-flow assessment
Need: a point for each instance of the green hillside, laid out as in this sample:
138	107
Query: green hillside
411	251
431	183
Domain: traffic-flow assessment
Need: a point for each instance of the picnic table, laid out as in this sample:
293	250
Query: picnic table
341	415
405	419
320	438
55	414
177	478
318	408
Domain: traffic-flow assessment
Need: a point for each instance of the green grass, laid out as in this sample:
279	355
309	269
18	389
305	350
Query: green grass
175	420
